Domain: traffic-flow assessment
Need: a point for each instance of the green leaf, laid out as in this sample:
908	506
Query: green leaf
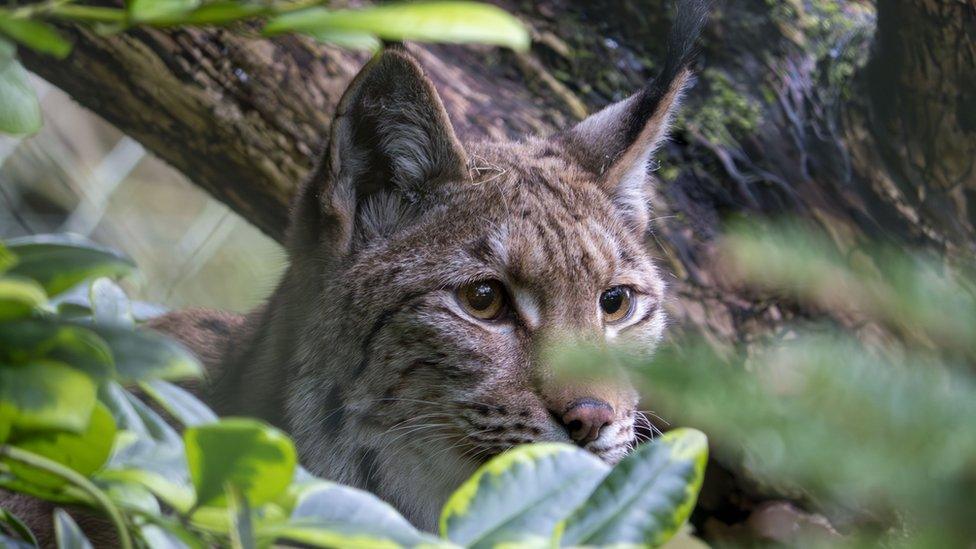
176	495
520	496
35	35
348	39
68	534
169	11
59	262
45	338
218	13
648	496
20	297
7	258
13	525
142	355
179	403
126	417
84	452
109	304
241	526
423	21
44	394
332	515
251	455
20	112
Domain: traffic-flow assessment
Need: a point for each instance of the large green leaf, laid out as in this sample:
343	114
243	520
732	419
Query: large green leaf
175	494
84	452
20	112
520	496
44	394
142	355
59	262
332	515
424	21
253	456
45	338
20	297
68	534
169	11
110	306
186	408
35	35
648	496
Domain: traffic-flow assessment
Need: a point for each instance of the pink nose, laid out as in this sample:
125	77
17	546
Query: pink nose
585	418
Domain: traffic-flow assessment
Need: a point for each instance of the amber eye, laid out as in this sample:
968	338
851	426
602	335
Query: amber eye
616	303
484	299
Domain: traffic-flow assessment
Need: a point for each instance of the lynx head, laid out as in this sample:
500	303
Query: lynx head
441	273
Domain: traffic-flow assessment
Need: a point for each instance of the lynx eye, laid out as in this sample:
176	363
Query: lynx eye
484	299
617	303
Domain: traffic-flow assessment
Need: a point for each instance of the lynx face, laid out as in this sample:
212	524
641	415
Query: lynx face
441	273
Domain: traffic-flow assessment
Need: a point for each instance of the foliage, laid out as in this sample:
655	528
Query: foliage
865	412
73	432
34	25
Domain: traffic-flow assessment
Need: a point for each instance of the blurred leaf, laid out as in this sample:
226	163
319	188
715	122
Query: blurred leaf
35	35
251	455
14	526
520	496
83	452
241	528
217	13
44	338
647	498
131	496
142	355
348	39
179	403
68	534
423	21
332	515
44	394
171	11
126	417
59	262
7	258
20	113
173	493
109	304
19	297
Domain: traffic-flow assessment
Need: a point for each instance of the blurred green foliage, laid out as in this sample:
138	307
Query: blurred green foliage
867	410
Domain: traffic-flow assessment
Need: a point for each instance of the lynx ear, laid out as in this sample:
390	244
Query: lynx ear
391	143
617	142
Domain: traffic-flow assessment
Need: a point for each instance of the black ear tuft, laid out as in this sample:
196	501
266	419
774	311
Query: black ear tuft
391	142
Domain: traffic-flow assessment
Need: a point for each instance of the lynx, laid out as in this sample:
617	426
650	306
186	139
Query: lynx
404	345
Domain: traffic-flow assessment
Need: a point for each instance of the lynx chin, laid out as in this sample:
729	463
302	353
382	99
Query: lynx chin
403	346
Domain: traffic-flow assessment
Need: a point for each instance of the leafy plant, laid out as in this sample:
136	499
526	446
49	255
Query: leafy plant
73	433
439	21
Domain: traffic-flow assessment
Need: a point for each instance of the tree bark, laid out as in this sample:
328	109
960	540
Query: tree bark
800	109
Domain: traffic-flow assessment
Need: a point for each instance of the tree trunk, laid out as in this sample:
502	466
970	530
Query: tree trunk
800	109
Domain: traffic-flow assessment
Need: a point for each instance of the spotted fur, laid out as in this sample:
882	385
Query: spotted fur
364	353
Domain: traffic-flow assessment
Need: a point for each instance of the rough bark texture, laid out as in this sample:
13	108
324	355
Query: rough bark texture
801	108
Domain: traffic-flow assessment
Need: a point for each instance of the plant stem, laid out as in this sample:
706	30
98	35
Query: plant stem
48	466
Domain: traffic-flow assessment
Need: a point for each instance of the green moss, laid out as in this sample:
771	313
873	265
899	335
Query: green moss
727	112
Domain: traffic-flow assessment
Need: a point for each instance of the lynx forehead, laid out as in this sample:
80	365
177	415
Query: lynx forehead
407	342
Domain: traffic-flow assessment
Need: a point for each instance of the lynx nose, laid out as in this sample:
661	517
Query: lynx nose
584	418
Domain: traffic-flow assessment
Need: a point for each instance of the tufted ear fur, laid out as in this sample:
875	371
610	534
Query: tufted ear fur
618	142
391	142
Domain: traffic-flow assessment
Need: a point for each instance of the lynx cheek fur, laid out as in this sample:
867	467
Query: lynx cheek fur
402	347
